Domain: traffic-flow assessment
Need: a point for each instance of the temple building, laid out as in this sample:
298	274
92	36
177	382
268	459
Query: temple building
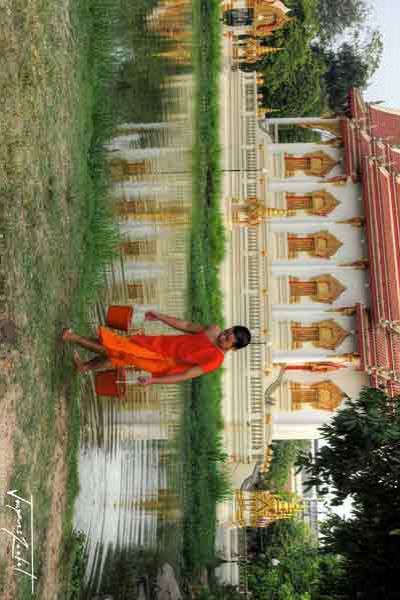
313	245
256	18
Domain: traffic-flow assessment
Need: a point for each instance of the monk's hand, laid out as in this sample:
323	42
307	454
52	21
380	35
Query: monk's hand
151	315
145	380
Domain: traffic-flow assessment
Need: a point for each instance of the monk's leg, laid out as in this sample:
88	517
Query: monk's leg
88	343
99	362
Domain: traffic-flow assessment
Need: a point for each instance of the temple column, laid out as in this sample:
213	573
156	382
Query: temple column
294	185
302	121
294	358
299	148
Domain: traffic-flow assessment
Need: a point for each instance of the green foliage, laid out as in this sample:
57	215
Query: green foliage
291	566
350	65
361	461
76	555
336	17
310	75
220	592
205	480
294	76
285	453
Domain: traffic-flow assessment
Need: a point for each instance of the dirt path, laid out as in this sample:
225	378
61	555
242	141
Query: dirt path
57	484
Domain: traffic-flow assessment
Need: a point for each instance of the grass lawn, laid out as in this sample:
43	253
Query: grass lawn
53	192
205	481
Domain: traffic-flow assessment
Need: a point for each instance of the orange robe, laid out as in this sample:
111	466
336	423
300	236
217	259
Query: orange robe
162	354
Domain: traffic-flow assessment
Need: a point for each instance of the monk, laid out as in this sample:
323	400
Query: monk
168	358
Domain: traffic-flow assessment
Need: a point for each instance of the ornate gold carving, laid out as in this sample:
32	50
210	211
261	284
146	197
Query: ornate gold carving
320	203
324	334
252	52
254	212
324	395
259	508
316	164
322	288
322	244
268	18
323	203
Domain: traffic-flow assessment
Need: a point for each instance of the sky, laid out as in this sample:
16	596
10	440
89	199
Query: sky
385	84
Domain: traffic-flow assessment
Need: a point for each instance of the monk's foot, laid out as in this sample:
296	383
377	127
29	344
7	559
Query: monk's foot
66	334
79	364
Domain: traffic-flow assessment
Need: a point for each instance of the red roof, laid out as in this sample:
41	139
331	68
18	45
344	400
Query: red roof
368	138
394	158
379	350
384	124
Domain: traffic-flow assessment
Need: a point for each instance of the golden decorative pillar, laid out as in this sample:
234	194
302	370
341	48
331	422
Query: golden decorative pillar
268	17
322	288
252	52
254	212
316	164
319	245
324	395
260	79
323	334
260	508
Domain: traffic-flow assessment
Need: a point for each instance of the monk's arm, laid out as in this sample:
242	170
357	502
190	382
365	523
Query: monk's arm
178	378
179	324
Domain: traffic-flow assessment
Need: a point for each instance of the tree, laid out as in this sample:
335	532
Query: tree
284	454
294	77
292	566
350	65
361	461
335	17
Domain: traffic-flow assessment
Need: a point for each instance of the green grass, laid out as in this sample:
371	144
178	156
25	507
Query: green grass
60	234
205	482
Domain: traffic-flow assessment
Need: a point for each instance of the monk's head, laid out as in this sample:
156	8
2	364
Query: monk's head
234	338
